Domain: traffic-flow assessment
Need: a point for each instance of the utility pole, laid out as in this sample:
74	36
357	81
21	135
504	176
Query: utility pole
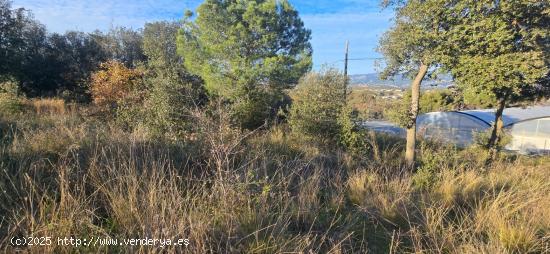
346	60
346	70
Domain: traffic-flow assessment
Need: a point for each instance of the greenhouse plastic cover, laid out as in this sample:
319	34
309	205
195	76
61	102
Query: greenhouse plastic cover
510	115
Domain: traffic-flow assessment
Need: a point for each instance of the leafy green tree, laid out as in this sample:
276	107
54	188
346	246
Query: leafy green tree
412	47
44	64
159	45
22	42
58	64
30	70
173	91
71	58
122	44
499	49
247	52
477	99
14	25
11	22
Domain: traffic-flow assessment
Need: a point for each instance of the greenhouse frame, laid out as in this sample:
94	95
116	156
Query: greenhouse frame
529	127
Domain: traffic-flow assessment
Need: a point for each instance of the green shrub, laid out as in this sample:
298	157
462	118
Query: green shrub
130	114
171	91
10	100
317	103
169	103
351	137
161	103
254	108
433	160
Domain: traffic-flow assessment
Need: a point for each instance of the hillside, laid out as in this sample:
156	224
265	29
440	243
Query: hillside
373	79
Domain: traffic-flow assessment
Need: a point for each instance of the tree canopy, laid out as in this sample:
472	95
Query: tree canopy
234	44
499	49
417	37
46	64
247	52
412	47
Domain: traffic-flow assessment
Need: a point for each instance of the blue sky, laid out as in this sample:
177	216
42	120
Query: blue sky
332	22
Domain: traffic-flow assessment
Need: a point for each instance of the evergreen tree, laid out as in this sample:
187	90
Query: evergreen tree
247	52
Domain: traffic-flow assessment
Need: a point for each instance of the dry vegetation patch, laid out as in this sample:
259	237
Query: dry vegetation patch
230	191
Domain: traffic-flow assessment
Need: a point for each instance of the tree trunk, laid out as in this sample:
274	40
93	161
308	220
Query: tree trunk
496	133
411	128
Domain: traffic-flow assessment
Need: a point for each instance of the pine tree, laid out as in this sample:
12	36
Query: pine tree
246	52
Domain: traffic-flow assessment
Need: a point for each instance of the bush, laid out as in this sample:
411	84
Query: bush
169	102
351	136
113	82
10	100
317	103
159	100
130	112
253	109
172	91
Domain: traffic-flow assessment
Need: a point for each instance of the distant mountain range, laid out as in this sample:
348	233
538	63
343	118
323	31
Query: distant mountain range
373	79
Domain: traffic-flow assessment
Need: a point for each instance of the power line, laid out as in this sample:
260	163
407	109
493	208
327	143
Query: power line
352	59
365	58
358	59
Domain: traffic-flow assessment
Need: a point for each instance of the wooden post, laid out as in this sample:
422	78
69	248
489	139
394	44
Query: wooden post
346	60
346	71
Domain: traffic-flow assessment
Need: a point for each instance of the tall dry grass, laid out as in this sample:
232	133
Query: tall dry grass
51	106
259	192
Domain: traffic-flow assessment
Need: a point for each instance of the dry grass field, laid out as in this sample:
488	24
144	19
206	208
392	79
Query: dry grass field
67	174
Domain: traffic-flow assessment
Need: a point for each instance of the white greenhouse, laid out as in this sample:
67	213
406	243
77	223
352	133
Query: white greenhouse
529	127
